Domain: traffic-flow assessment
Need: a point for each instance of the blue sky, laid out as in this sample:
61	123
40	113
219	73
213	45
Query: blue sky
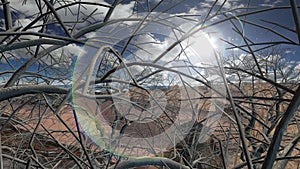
199	7
194	7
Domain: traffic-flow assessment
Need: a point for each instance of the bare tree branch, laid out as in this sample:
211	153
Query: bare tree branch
279	131
7	14
11	92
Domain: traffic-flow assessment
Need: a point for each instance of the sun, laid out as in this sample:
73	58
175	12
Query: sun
213	41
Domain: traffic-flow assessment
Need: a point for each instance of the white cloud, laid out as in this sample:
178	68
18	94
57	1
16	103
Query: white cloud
290	52
203	7
120	11
188	57
268	3
229	4
30	9
60	57
74	49
155	1
123	10
151	48
24	22
297	67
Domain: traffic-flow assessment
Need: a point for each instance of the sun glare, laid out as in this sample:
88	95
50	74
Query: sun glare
212	41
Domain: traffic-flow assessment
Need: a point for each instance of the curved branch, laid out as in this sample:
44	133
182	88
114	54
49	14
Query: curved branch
35	42
15	91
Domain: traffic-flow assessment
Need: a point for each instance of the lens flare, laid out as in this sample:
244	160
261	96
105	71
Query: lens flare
138	84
